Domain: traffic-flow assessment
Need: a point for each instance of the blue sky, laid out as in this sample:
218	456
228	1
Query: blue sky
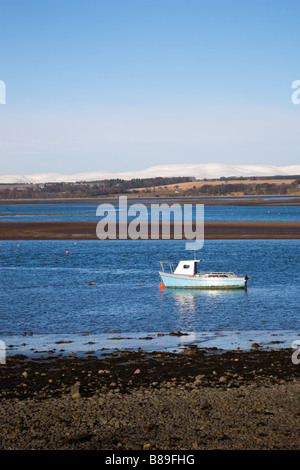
119	85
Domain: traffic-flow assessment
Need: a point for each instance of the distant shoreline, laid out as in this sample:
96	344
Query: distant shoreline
269	200
87	230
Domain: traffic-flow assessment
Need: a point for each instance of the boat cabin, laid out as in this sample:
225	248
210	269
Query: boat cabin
187	267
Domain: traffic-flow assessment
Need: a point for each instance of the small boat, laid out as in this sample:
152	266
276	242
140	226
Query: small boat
186	276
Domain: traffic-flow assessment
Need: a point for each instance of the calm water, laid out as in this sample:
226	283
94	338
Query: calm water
44	290
82	211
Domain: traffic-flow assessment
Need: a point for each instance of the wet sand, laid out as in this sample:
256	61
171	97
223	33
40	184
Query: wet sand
195	399
87	230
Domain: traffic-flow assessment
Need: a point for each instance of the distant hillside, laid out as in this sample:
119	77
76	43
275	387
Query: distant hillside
155	187
198	171
229	186
83	190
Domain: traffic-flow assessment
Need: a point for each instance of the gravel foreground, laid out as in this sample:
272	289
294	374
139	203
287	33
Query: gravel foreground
193	400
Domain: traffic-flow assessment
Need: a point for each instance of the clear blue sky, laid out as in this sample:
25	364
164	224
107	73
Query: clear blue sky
127	84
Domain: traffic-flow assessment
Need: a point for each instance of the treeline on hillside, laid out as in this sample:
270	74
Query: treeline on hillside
248	189
84	189
256	178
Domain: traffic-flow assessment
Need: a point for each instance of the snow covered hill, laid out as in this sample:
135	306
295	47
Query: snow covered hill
199	171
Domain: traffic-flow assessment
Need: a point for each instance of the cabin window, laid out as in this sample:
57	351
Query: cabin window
186	266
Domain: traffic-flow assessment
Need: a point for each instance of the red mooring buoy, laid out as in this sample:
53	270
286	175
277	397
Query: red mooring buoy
161	286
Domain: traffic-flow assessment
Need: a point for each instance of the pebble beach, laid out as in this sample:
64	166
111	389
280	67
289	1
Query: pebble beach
197	399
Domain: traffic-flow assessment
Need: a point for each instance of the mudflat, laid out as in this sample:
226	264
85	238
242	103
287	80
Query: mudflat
87	230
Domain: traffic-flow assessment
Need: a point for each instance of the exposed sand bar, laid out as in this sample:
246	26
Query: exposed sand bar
87	230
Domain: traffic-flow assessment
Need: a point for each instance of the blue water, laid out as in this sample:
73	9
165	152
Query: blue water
46	291
87	211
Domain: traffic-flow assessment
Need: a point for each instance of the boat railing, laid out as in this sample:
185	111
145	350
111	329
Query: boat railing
167	263
216	273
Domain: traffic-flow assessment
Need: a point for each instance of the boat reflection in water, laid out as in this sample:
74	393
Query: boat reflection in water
190	301
200	314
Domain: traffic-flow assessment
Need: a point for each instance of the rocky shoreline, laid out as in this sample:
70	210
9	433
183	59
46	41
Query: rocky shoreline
194	399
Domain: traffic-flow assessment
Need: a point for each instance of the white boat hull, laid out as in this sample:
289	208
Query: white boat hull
202	281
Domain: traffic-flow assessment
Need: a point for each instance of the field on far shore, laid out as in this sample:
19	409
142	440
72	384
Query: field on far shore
199	184
184	186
